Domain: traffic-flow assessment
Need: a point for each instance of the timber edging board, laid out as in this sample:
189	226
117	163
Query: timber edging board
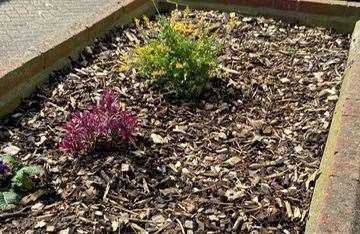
339	15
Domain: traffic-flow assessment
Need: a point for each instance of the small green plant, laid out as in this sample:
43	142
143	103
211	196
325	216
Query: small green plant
291	51
15	180
176	60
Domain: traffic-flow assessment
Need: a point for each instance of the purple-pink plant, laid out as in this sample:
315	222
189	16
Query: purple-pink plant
104	125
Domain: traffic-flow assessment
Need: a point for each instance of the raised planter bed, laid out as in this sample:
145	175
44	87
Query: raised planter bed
243	157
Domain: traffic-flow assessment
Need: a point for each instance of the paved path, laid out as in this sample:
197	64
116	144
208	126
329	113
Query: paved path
26	24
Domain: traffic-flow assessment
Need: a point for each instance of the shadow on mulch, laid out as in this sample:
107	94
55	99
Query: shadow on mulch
4	1
218	91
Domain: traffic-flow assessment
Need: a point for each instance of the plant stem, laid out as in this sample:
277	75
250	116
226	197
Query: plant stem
156	8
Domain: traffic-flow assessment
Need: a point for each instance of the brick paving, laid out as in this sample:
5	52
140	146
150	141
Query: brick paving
27	24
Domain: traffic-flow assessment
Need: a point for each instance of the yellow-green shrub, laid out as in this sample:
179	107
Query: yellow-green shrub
177	61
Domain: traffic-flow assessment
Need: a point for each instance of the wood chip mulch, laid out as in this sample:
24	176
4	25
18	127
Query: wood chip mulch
242	158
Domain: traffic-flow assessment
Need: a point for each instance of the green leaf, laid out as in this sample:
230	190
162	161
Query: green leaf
8	199
22	181
12	164
33	170
10	161
23	177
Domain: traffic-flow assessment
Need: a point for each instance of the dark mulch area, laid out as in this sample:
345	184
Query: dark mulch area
242	158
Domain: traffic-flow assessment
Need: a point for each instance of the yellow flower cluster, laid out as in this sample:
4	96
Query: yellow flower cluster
124	67
140	50
150	49
179	65
233	22
158	73
184	28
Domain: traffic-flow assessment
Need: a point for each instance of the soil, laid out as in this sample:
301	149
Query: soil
242	158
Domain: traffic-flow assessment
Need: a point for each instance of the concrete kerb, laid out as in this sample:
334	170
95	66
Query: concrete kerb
335	202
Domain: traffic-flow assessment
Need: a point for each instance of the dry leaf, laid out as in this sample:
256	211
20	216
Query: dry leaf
11	150
157	139
233	161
